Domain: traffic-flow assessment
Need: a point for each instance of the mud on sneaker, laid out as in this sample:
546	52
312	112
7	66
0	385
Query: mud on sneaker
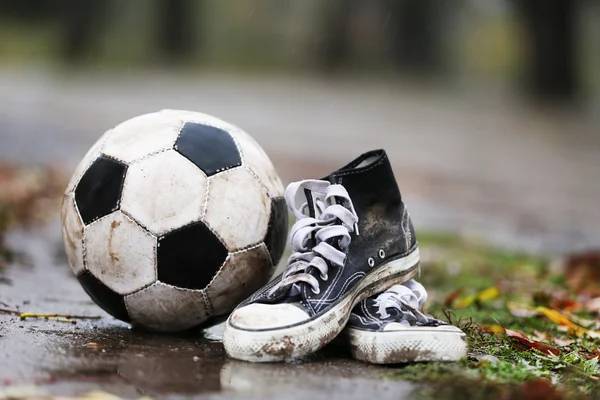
389	328
353	238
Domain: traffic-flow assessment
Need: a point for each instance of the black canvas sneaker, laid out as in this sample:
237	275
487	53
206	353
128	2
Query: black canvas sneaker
389	328
353	238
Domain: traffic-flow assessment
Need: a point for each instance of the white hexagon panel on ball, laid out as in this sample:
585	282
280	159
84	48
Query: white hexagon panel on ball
238	208
164	307
120	253
164	191
142	136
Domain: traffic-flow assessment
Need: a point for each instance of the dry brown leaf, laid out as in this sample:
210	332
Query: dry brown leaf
452	297
582	272
565	304
521	342
538	389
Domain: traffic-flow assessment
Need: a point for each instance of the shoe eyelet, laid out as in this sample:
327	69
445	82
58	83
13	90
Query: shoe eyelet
315	292
324	277
371	262
381	253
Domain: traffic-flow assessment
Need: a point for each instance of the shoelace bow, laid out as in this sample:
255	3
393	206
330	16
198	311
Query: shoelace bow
407	299
332	220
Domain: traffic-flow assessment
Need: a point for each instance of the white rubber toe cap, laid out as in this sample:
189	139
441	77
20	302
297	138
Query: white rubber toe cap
267	316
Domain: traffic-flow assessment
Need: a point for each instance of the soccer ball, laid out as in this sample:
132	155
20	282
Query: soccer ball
172	218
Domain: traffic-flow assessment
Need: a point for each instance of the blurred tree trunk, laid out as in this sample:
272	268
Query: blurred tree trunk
333	45
550	65
176	28
412	27
82	20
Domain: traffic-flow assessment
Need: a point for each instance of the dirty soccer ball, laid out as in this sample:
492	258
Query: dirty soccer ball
173	217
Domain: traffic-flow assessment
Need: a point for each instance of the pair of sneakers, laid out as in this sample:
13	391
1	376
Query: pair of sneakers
350	275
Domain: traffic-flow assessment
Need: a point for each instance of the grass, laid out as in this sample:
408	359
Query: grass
495	367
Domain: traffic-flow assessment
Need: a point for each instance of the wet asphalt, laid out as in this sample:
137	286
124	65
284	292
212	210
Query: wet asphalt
106	354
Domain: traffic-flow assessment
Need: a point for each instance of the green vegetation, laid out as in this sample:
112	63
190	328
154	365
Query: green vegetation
558	365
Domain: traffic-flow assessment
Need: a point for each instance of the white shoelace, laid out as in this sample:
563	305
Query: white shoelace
408	298
324	226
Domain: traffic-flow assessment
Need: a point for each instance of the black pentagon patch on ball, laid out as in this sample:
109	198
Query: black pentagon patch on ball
278	225
190	257
111	302
211	149
99	190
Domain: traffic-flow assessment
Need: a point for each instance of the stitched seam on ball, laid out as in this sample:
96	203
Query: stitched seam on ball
98	154
83	251
145	157
135	221
237	145
146	286
83	230
207	304
207	192
251	171
225	129
218	271
244	250
177	287
183	122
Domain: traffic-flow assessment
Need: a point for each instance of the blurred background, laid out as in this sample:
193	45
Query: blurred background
489	109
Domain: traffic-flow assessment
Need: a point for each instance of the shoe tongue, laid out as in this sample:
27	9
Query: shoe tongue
311	202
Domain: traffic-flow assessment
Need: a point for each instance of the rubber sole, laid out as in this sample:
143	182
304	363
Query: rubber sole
414	344
301	340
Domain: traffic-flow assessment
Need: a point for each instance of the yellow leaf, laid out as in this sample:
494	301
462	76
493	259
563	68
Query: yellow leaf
485	295
562	320
464	302
488	294
493	328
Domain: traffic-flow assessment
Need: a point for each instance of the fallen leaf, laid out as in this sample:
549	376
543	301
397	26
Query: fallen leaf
482	357
58	317
563	342
582	272
521	310
464	302
495	329
523	343
488	294
562	320
449	301
565	303
538	389
93	345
